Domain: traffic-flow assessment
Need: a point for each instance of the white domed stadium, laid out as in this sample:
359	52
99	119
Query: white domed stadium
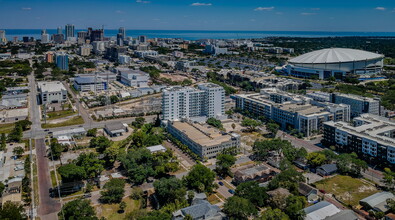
336	62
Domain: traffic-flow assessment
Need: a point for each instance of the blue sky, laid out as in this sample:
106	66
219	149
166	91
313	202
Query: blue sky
263	15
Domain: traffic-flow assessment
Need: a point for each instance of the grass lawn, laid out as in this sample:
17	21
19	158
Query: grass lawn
59	114
6	128
110	211
53	179
347	189
73	121
213	199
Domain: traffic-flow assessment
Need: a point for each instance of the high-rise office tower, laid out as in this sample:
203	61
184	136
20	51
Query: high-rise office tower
69	31
143	39
119	39
59	30
62	61
82	35
97	35
122	31
44	36
3	39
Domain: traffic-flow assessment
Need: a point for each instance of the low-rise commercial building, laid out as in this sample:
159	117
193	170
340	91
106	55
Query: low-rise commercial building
13	115
89	83
369	135
116	129
135	78
203	140
52	92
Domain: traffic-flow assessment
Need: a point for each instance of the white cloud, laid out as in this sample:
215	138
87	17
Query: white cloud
307	13
264	9
119	12
201	4
26	9
380	8
142	2
315	9
279	13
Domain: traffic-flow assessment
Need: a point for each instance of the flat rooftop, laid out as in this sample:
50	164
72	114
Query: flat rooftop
376	128
203	135
54	86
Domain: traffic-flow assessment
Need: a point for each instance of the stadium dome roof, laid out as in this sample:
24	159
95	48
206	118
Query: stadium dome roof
335	55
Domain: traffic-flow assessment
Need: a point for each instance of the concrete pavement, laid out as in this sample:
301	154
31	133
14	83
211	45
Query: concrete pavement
48	207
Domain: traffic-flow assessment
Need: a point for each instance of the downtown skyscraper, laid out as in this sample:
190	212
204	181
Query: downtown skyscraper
69	29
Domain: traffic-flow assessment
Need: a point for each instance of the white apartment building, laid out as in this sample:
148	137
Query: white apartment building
52	92
359	105
85	50
124	59
144	53
187	102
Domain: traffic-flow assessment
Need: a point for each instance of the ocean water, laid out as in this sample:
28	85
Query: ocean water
195	35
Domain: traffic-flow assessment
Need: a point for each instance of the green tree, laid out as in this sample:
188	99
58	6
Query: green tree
2	187
295	206
316	159
3	142
200	178
349	164
114	99
16	134
224	163
288	178
169	190
262	148
238	208
100	143
71	172
251	124
56	149
10	210
78	209
92	132
274	214
253	192
18	151
122	206
272	128
113	191
25	124
214	122
389	178
90	163
138	122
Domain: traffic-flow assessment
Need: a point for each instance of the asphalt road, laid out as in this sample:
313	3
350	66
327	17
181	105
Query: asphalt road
298	143
48	207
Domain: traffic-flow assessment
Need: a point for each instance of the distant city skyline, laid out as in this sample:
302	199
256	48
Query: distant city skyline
251	15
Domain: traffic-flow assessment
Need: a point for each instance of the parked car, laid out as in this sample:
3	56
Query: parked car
231	191
221	183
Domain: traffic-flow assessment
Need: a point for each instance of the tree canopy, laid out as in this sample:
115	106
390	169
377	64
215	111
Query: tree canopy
169	190
238	208
200	178
113	191
224	162
253	192
78	209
